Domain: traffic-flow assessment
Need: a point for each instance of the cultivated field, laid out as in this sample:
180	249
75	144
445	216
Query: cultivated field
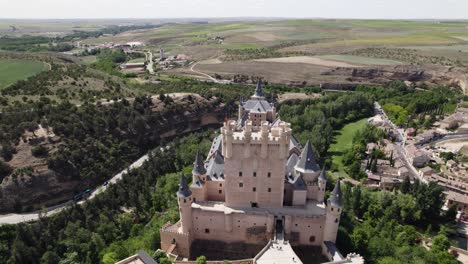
15	70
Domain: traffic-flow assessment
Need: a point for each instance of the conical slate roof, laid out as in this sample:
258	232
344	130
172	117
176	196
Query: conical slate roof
184	190
335	199
323	174
259	89
198	165
307	163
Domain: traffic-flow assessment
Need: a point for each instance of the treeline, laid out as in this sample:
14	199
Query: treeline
316	119
384	227
108	61
405	106
252	54
114	225
411	56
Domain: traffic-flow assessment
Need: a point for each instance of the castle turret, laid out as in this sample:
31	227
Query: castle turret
307	165
259	90
184	197
322	183
198	167
334	208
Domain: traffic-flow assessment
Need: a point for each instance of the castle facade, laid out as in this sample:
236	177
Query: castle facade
256	184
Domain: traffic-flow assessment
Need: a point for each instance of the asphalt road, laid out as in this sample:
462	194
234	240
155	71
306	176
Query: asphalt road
34	216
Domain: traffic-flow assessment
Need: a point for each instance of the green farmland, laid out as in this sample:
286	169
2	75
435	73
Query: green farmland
12	71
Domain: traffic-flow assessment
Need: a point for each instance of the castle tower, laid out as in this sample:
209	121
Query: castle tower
184	197
198	187
255	149
161	53
322	183
334	208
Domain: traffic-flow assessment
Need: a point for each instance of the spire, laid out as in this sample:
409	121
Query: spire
323	174
336	195
198	166
184	190
307	163
259	89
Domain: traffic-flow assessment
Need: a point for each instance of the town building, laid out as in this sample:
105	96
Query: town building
257	187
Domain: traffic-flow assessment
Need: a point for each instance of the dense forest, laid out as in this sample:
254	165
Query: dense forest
394	227
116	223
316	119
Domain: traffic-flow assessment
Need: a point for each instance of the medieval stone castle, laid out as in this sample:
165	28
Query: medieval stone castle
257	185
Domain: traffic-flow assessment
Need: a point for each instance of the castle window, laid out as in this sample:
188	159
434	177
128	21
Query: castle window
336	220
220	185
240	173
269	189
338	210
255	174
194	199
185	200
220	192
332	209
295	224
207	231
269	174
312	239
241	184
254	189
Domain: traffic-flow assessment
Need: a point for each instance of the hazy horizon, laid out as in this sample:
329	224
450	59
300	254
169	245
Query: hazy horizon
259	9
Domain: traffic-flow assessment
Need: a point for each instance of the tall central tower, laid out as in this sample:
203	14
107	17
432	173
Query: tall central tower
255	148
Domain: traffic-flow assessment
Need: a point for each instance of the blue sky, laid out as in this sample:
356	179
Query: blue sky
386	9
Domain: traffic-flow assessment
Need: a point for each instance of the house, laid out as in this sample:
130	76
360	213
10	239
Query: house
416	156
426	171
458	199
403	172
451	164
388	183
140	258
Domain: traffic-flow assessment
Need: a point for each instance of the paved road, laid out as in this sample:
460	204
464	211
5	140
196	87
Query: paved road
34	216
400	145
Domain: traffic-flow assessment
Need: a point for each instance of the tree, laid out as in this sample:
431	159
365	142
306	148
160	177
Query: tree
405	185
5	170
451	213
201	260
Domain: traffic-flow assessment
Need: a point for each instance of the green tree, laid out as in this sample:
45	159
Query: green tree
201	260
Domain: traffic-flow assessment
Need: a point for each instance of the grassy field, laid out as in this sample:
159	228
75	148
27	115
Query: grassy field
12	71
343	142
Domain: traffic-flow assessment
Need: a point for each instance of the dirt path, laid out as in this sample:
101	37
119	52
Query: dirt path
192	69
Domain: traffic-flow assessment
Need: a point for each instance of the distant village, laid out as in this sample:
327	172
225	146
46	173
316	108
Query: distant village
149	62
434	155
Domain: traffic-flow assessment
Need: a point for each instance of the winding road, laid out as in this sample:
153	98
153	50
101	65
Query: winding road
34	216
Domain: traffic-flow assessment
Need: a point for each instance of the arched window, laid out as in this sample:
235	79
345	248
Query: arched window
336	220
